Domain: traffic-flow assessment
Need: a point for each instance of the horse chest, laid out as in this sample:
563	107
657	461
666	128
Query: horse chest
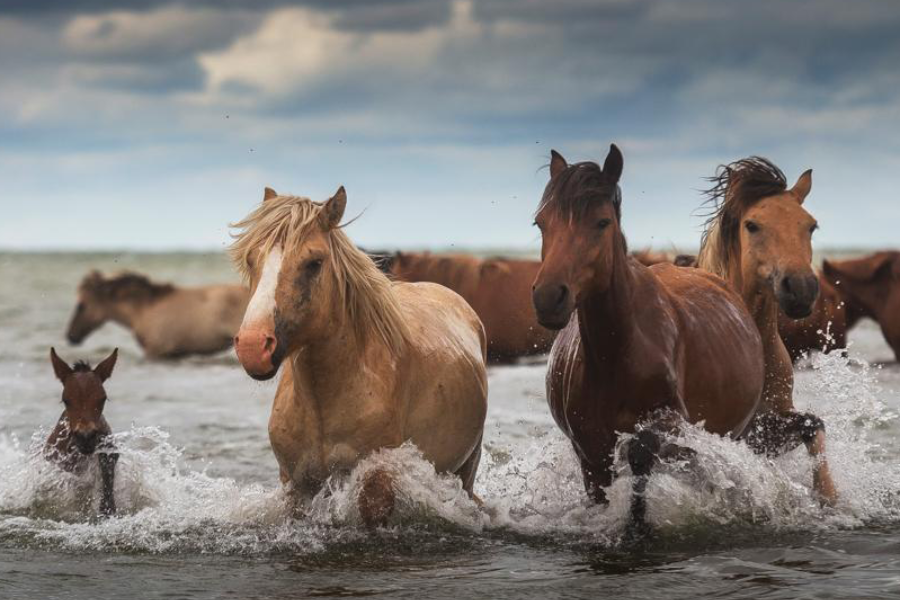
312	439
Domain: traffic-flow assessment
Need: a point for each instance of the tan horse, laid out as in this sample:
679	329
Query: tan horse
499	289
369	364
759	239
871	285
167	321
642	349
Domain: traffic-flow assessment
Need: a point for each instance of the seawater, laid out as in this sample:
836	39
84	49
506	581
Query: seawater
202	515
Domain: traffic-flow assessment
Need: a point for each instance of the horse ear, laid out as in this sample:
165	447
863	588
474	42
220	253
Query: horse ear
60	367
557	164
333	210
612	166
803	186
105	368
269	193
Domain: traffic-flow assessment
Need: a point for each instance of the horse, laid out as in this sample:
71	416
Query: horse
498	289
167	321
758	237
826	329
82	431
641	349
871	284
368	363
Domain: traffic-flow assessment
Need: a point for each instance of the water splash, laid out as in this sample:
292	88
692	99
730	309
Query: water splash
531	486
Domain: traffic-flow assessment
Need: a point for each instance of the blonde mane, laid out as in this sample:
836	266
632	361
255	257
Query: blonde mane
736	187
365	294
711	258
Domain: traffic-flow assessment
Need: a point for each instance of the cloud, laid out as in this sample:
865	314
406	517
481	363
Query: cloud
167	33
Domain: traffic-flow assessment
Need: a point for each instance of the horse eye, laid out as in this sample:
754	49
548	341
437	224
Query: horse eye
751	226
314	266
603	224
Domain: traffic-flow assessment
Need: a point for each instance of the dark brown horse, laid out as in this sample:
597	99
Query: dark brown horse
82	431
499	289
642	349
872	286
759	239
826	328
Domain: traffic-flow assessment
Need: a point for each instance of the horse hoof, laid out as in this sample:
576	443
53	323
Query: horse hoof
376	499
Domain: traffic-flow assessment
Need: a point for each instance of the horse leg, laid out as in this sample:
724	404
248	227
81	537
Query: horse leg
596	479
468	470
643	453
107	462
376	498
773	433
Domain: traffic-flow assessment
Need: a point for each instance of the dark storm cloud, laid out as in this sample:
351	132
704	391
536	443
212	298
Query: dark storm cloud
352	14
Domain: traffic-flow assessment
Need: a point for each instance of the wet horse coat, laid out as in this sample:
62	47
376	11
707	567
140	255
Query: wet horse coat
368	363
641	348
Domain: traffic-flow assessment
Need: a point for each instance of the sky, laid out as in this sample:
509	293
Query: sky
154	126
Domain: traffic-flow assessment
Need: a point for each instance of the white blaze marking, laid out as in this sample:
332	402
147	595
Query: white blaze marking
262	304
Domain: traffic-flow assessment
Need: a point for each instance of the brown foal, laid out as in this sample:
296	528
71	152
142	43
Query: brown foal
82	431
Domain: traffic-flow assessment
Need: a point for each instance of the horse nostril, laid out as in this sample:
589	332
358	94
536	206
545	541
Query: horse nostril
562	295
270	344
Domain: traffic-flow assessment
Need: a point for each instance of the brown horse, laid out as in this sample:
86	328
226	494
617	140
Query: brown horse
369	363
826	328
498	289
167	321
82	431
759	239
872	286
641	348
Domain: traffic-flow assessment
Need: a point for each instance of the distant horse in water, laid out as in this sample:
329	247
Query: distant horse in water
826	329
499	289
642	349
82	431
370	363
759	239
871	285
167	321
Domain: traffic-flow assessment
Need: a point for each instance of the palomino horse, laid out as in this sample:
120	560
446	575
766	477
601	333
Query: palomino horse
370	363
641	348
498	289
167	321
825	329
872	285
82	430
759	239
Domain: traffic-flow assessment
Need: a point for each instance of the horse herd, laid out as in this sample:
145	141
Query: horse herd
381	349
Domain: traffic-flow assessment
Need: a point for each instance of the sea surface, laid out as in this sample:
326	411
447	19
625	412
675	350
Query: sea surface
202	515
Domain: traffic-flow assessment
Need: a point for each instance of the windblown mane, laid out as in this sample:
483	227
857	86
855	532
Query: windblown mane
365	294
127	286
577	187
736	187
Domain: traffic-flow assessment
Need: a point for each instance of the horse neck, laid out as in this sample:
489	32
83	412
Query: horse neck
759	299
335	366
606	320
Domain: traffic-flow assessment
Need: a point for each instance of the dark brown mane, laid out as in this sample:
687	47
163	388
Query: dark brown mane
576	188
81	367
130	286
735	188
